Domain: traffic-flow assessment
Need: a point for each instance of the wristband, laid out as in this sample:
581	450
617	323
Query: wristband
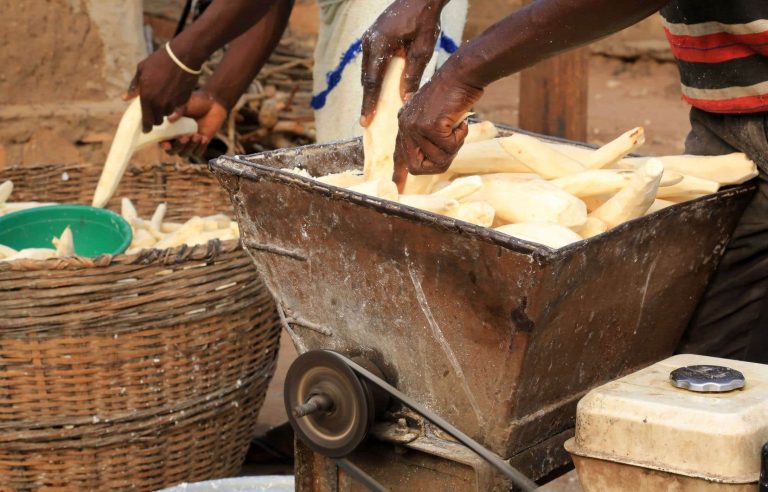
179	62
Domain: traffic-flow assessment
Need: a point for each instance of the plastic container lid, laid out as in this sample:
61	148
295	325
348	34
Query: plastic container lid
644	420
266	483
95	231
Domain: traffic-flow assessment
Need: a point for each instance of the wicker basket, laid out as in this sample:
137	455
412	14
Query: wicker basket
131	372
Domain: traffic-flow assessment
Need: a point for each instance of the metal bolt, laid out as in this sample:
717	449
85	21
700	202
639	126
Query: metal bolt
315	403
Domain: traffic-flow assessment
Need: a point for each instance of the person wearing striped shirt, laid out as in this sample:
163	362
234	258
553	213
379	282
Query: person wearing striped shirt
721	48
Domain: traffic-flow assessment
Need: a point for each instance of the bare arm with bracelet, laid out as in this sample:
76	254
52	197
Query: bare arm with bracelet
166	84
243	60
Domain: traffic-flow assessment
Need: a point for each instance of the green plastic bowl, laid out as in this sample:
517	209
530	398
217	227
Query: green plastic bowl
95	231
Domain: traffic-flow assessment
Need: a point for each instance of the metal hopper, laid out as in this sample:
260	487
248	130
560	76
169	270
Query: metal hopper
498	336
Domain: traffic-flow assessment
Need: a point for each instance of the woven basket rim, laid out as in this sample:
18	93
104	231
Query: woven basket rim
150	256
141	166
170	256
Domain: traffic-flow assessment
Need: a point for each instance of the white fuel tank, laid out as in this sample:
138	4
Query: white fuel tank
646	432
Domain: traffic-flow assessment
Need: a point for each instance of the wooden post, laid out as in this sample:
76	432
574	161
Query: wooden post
553	96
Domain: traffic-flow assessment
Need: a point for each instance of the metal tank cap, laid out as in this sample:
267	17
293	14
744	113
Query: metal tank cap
707	379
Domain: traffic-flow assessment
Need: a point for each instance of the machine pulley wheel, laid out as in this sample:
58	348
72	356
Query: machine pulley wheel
328	406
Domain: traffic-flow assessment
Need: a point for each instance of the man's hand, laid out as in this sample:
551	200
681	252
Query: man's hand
209	114
407	28
163	87
429	136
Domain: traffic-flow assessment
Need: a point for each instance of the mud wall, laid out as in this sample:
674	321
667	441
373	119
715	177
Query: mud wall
65	63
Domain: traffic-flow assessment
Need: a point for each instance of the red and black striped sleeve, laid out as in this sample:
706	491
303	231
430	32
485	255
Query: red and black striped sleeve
721	49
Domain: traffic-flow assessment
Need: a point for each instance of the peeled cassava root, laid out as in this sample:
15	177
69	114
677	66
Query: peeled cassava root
31	254
727	169
552	235
485	130
5	191
616	149
478	213
343	179
598	182
542	192
63	246
533	200
591	227
379	188
6	207
156	234
487	156
380	135
540	158
128	139
635	198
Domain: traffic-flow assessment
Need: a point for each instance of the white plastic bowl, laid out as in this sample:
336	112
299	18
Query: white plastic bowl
266	483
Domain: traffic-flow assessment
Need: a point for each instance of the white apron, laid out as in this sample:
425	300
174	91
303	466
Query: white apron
337	91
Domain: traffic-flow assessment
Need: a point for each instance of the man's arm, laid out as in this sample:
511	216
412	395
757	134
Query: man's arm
222	21
247	55
163	85
540	30
243	60
427	141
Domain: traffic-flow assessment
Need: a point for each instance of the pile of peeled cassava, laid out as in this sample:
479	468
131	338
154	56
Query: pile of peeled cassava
152	233
543	192
155	233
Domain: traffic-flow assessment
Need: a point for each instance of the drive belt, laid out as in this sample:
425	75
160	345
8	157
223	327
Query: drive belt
341	363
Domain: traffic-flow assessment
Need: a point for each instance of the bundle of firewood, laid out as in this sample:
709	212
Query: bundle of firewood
274	112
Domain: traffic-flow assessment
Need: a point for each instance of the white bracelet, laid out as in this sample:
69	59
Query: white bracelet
179	63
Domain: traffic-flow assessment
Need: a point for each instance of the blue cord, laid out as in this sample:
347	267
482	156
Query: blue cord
333	77
447	44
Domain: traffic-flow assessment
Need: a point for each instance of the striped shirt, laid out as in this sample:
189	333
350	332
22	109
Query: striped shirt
721	47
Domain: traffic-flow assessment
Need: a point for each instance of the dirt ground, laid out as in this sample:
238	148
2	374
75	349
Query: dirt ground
622	95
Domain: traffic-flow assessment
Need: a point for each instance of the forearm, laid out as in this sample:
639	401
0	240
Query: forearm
222	21
438	4
247	55
538	31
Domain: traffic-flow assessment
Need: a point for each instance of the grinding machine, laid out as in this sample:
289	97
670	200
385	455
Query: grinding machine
440	355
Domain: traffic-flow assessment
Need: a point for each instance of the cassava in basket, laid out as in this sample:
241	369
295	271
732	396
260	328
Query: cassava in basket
131	372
